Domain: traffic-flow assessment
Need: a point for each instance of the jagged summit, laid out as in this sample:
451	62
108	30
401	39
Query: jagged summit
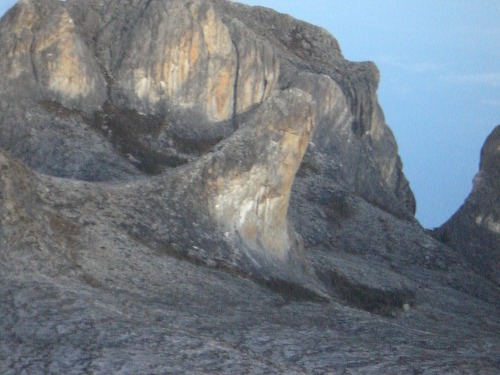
474	230
182	72
204	186
490	157
178	80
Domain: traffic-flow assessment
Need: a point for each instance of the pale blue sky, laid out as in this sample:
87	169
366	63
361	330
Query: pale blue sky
440	82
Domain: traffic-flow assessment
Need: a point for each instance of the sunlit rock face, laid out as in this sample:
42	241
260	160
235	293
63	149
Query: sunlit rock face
192	65
191	60
45	52
121	89
177	54
250	188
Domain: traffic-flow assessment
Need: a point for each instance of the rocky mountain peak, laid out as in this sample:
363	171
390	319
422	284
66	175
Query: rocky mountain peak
204	186
490	157
190	73
208	61
474	230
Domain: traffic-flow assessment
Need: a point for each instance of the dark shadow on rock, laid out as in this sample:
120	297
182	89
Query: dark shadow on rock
376	301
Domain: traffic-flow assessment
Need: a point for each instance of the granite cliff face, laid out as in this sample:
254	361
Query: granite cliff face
198	62
206	186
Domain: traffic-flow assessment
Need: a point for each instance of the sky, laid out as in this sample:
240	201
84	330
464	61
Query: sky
440	82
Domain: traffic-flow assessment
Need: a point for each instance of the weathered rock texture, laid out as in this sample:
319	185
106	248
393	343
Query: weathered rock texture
474	230
208	60
199	62
251	196
202	186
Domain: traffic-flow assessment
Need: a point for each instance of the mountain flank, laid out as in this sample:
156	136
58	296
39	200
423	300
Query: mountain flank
204	186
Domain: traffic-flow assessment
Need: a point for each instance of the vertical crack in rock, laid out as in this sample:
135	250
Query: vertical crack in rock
32	50
50	55
235	85
195	61
189	62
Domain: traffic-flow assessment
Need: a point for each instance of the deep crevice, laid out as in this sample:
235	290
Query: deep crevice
235	87
32	59
129	132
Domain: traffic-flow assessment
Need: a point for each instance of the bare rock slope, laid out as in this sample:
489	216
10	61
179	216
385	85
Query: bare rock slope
203	186
474	230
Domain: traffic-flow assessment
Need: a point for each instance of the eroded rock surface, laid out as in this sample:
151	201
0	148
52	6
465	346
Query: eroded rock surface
203	186
251	191
44	51
195	66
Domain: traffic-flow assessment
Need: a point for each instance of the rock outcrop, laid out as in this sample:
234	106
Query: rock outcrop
203	62
203	186
250	190
44	51
474	230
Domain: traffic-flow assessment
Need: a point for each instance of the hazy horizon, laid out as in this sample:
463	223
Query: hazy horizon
440	82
